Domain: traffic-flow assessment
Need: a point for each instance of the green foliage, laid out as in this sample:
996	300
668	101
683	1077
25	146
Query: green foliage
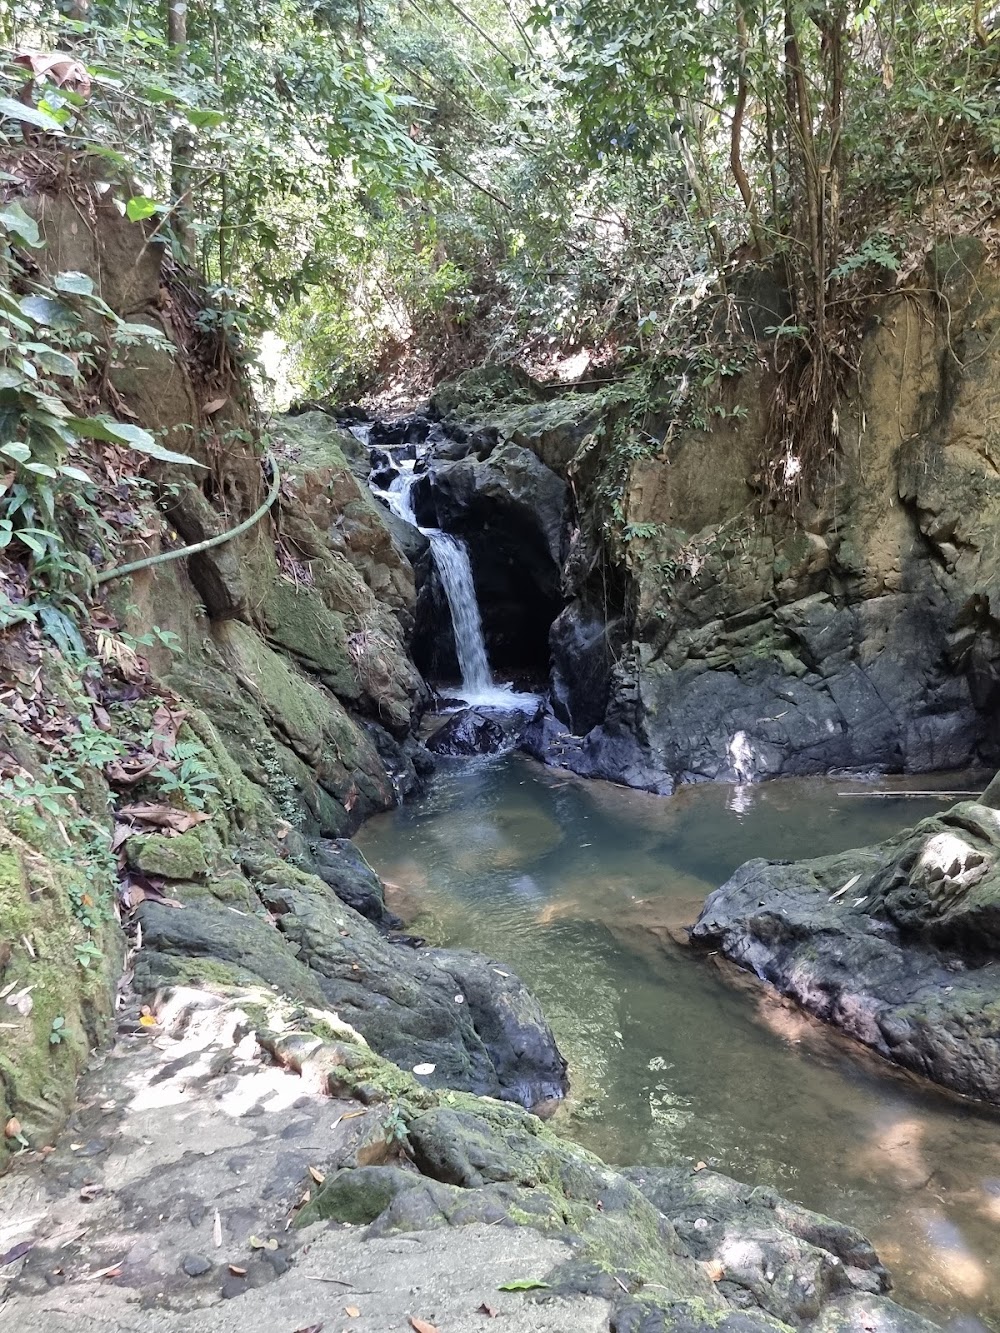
187	778
48	351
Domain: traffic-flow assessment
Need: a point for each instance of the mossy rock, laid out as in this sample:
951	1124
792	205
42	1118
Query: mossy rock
314	440
43	1051
180	857
477	392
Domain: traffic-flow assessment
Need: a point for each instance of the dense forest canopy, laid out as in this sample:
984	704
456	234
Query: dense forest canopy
402	188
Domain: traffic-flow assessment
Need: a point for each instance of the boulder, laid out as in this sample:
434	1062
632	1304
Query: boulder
467	732
896	945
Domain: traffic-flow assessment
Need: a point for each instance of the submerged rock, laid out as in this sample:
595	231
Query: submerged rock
896	945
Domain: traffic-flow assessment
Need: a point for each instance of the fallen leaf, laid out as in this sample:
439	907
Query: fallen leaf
522	1284
217	1229
237	1271
256	1243
353	1311
214	405
112	1270
715	1270
12	1127
147	1021
317	1175
421	1325
488	1311
701	1166
162	816
16	1252
849	885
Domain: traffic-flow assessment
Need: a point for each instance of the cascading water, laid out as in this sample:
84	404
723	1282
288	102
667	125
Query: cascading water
451	556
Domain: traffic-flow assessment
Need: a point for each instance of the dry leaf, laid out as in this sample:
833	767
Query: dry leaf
353	1311
701	1166
17	1251
62	69
715	1270
112	1270
421	1325
237	1271
488	1311
147	1021
12	1127
214	405
317	1175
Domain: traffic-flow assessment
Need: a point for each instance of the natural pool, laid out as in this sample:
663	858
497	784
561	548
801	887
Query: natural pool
584	888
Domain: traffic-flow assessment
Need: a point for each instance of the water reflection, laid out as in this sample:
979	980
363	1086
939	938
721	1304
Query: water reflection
586	889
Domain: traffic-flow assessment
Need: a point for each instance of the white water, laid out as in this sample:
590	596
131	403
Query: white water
451	556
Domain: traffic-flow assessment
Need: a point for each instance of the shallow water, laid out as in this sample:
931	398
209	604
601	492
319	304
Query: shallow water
584	888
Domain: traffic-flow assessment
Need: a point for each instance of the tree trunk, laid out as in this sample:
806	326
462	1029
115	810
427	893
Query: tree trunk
181	143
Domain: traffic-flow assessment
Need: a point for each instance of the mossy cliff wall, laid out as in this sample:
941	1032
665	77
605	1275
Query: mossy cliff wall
262	692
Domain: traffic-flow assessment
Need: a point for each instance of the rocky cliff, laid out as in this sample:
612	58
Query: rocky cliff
706	632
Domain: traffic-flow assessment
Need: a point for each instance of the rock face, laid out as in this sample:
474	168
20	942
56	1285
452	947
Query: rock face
308	1126
857	629
511	510
895	944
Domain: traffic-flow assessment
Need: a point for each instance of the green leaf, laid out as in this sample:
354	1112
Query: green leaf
139	207
523	1284
203	120
18	451
76	284
60	629
76	474
10	378
46	310
56	363
17	221
10	109
121	432
42	469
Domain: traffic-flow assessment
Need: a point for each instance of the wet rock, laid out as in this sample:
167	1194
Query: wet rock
583	652
893	944
773	1254
384	470
340	865
511	511
196	1265
468	732
465	1014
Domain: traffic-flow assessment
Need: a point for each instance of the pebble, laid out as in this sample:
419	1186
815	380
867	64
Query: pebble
196	1265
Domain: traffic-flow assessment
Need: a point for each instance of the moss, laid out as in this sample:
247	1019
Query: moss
208	972
37	1076
298	621
180	857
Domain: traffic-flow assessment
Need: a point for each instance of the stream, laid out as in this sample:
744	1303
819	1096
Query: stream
584	889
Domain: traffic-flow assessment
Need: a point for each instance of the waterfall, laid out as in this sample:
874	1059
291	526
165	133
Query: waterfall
451	556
